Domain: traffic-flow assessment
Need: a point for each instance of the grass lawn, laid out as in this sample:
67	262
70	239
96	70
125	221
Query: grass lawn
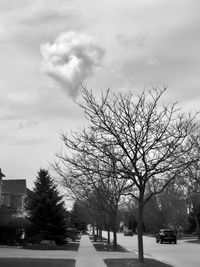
98	239
109	247
4	262
134	263
195	241
104	246
74	246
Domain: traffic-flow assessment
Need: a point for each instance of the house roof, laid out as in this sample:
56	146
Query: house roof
14	186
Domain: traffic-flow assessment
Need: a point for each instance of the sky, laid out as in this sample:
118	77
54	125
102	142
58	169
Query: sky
48	48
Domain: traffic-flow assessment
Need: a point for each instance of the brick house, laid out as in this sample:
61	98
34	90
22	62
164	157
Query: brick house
14	194
13	197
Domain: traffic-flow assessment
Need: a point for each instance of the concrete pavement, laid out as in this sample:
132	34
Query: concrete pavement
183	254
85	257
87	254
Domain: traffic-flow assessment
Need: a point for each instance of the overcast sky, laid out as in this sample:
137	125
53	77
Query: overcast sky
49	47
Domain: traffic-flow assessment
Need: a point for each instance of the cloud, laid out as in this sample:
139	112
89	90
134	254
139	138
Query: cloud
133	41
71	59
153	62
26	123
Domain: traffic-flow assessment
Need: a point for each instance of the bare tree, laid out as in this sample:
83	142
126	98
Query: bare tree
92	174
173	207
149	138
189	183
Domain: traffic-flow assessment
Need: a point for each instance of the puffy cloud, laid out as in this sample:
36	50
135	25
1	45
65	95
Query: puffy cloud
71	59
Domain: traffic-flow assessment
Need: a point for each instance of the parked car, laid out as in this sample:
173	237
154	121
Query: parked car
128	232
166	235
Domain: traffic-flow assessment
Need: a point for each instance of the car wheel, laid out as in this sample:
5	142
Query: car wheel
175	242
161	241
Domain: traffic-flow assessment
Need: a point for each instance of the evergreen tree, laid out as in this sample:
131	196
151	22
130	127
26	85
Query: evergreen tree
46	210
79	217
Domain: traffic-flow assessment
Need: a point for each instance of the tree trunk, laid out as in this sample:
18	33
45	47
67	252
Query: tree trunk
198	228
114	224
140	232
114	238
100	233
108	232
93	230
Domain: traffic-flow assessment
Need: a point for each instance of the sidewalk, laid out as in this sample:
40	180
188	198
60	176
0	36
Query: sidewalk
87	255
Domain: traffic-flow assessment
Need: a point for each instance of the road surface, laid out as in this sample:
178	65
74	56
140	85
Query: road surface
183	254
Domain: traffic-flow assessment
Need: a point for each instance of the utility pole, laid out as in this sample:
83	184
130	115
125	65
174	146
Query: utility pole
1	176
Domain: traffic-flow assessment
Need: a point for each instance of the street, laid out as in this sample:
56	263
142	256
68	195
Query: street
183	254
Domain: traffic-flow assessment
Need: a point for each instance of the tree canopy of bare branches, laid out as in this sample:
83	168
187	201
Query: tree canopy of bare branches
143	139
189	182
91	175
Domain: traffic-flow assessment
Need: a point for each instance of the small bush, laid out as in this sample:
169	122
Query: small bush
37	239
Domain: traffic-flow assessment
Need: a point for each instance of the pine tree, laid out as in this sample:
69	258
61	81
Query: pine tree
79	217
46	210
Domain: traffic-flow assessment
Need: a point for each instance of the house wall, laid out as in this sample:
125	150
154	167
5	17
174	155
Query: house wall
13	201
